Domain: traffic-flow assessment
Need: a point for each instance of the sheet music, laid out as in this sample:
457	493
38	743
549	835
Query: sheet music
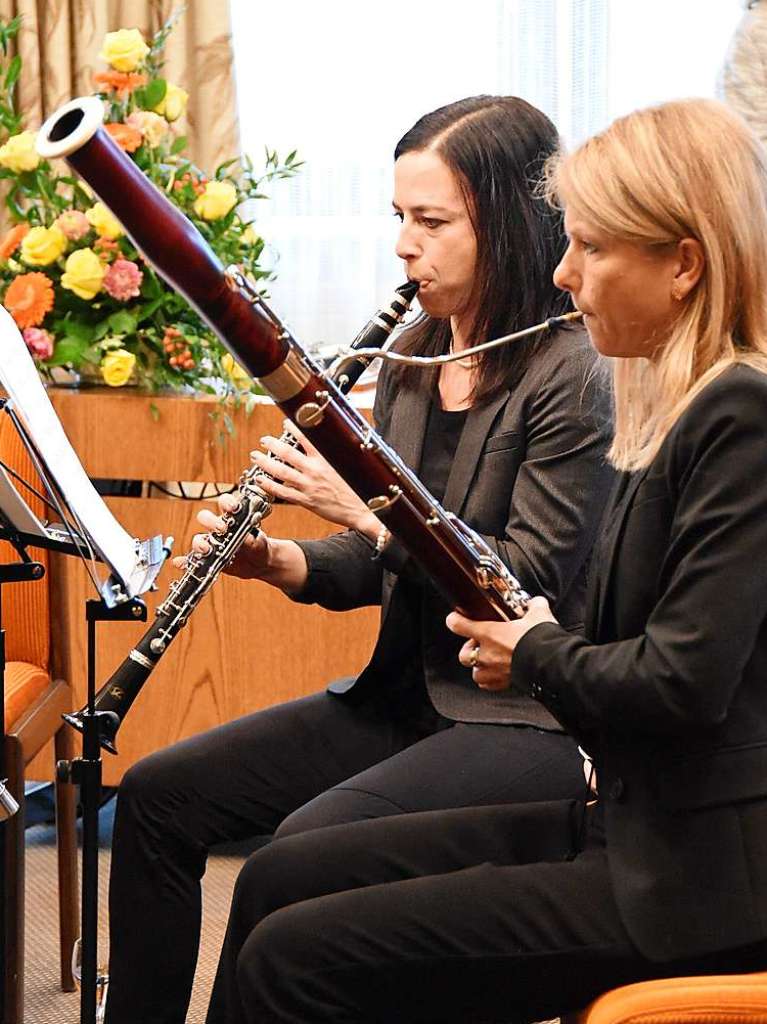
21	381
16	511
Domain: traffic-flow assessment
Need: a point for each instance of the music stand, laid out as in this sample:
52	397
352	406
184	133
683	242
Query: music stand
88	530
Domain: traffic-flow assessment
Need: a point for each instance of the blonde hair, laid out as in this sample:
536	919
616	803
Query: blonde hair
686	169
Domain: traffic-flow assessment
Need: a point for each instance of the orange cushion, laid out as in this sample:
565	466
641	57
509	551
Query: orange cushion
26	609
719	999
23	685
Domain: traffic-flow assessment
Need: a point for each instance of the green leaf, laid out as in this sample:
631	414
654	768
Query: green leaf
122	322
67	350
221	169
76	330
7	32
146	311
178	144
12	74
151	287
81	195
13	206
154	412
154	93
100	330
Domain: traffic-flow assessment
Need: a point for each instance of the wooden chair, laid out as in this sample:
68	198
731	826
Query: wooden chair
34	703
730	998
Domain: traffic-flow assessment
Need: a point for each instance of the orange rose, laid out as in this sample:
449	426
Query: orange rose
12	240
127	138
29	298
121	82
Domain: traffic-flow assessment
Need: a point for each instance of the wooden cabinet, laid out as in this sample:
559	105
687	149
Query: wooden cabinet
246	646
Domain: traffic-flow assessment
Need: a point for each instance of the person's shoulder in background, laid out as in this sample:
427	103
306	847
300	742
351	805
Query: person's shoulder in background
742	81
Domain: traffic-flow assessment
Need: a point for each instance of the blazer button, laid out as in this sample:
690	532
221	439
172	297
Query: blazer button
617	789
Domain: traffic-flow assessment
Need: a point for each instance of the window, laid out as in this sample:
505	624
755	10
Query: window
342	81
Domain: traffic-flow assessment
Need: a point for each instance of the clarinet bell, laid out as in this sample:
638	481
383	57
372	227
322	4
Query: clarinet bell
108	724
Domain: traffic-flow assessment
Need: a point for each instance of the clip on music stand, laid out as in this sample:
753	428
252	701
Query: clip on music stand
89	531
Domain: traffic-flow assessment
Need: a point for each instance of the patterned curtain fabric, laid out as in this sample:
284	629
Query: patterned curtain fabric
60	41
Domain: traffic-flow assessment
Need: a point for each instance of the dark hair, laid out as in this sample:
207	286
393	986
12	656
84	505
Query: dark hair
496	146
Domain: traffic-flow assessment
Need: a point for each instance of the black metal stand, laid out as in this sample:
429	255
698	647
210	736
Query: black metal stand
114	606
86	772
16	572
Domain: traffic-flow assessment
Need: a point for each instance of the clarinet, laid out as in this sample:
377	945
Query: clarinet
469	574
117	695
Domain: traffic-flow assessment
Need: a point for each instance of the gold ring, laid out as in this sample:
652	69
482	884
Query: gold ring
474	656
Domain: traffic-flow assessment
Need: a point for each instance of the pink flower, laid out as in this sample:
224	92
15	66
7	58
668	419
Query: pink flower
73	224
153	128
39	342
122	280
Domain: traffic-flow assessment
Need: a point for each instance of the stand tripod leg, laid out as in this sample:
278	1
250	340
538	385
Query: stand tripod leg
66	841
13	911
90	794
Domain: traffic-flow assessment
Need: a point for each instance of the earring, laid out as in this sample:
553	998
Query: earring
676	294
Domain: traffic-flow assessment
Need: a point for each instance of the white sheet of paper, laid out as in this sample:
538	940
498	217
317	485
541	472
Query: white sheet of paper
16	510
21	381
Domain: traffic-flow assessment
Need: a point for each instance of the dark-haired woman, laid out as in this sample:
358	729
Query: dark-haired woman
514	444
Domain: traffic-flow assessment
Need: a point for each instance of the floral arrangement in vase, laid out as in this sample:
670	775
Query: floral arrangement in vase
77	288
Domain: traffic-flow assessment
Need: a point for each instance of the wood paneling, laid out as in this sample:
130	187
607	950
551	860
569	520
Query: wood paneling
246	646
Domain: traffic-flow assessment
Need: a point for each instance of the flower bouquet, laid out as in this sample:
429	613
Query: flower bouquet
70	277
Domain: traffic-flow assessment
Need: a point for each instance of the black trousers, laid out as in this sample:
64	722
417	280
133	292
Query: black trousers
480	914
307	764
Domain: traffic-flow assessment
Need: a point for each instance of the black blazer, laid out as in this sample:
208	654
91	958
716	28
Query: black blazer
669	693
529	475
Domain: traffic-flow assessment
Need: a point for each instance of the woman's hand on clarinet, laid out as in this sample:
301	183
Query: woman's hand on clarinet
489	648
305	478
279	562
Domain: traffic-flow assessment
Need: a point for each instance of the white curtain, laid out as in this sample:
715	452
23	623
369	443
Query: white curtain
342	80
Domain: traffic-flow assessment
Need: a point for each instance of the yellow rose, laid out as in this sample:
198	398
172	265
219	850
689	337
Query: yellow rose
216	201
250	236
104	222
124	50
234	370
173	103
117	367
42	246
19	153
83	273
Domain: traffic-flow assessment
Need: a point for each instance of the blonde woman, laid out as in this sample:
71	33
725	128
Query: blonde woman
519	913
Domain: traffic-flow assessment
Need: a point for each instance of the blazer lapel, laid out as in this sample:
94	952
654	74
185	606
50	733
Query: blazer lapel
408	426
478	423
612	531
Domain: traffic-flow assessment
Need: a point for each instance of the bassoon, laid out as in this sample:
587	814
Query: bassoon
463	567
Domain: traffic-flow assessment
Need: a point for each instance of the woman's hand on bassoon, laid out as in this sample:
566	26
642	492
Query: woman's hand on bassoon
489	649
305	478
